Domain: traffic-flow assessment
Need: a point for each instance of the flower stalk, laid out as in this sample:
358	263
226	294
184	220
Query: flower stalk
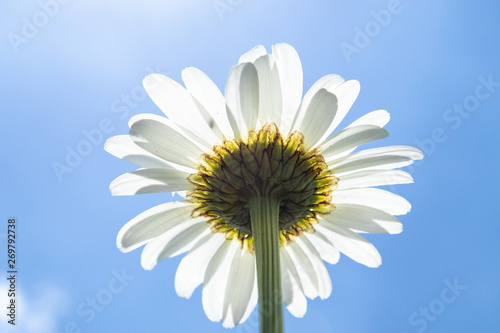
264	216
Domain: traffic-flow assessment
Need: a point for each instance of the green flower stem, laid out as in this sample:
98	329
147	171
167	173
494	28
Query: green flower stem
264	216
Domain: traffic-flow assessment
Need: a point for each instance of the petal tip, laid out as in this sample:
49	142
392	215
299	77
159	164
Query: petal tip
148	265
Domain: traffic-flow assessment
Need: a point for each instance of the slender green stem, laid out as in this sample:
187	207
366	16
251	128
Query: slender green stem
264	216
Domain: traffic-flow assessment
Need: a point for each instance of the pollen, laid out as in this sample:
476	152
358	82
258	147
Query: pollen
265	162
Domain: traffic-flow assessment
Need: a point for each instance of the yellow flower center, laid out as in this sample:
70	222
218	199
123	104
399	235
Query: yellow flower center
263	163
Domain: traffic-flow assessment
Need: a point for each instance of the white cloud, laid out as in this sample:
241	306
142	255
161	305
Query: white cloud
36	313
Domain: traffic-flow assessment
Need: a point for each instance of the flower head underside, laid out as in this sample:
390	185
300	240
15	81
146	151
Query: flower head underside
262	138
265	162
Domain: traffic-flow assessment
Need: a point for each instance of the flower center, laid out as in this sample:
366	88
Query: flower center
263	163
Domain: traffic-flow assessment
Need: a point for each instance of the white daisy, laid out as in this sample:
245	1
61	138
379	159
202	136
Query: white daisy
228	154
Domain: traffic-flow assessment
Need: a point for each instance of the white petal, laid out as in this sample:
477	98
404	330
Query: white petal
195	137
151	224
166	142
150	181
375	118
374	178
231	118
206	92
252	55
305	269
242	98
325	248
123	147
293	294
377	158
324	281
174	241
177	104
270	106
291	81
351	244
403	151
253	300
191	270
326	82
344	142
373	197
216	279
239	288
363	219
346	94
319	115
353	163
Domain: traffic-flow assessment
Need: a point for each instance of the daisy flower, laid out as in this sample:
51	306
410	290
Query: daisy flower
269	192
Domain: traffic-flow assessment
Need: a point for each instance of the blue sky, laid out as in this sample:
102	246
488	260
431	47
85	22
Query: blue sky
71	77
